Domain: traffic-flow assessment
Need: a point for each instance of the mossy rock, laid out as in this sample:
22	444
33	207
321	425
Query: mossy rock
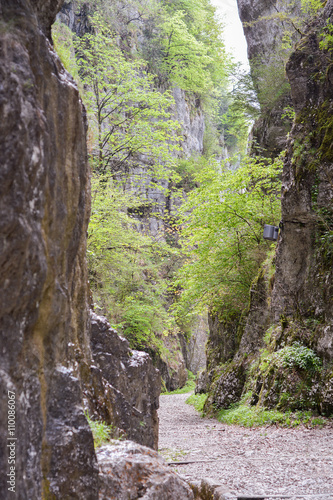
227	386
326	395
283	382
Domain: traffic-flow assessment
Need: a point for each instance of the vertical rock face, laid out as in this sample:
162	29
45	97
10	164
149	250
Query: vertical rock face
291	309
304	281
125	387
264	31
44	204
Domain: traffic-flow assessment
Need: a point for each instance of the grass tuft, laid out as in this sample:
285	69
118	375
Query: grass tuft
198	401
252	416
102	433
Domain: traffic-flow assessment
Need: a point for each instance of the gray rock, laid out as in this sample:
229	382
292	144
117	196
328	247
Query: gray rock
264	32
125	386
130	471
202	383
208	489
44	209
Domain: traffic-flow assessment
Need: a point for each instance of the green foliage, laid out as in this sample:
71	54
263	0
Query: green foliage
188	59
311	7
237	109
248	416
295	355
102	433
253	416
198	401
128	116
222	234
127	267
134	139
63	42
299	356
326	42
245	415
270	78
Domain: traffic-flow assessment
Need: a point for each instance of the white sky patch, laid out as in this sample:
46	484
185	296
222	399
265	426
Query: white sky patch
233	31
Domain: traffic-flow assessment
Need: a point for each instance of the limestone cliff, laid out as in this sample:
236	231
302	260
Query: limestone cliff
47	368
284	353
264	28
44	216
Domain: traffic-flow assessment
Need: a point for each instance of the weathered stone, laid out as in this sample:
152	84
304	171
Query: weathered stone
264	33
228	386
44	207
208	489
223	339
173	372
295	302
129	471
131	384
194	347
202	383
304	278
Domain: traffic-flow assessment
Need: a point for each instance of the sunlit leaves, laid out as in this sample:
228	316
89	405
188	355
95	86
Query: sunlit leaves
223	222
128	115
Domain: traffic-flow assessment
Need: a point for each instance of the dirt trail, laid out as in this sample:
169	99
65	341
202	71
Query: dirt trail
261	461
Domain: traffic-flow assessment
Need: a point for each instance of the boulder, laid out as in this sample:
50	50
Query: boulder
124	387
128	471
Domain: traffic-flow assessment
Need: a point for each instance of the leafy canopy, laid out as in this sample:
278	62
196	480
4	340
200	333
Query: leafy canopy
127	267
222	235
128	116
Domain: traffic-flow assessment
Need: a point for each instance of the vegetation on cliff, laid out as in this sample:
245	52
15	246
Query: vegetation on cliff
127	68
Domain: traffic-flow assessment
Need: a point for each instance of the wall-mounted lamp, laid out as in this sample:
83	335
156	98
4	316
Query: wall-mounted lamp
270	232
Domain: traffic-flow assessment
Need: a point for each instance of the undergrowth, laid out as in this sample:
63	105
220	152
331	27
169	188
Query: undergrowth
198	401
252	416
102	432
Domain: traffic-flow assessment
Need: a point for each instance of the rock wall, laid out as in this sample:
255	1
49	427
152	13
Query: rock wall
290	308
123	386
44	207
47	369
303	284
264	31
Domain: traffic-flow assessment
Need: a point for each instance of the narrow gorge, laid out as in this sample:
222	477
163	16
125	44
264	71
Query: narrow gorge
139	165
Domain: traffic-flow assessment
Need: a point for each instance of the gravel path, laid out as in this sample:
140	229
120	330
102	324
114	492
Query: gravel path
260	461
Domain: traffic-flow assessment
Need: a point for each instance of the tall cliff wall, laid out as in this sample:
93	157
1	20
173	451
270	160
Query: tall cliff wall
290	310
43	305
50	364
304	280
264	31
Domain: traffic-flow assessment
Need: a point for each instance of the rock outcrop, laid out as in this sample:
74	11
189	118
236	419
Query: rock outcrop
264	30
47	369
44	203
304	280
290	311
131	471
124	386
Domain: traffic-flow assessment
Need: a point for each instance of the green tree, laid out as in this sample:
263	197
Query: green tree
186	46
128	116
222	235
127	268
